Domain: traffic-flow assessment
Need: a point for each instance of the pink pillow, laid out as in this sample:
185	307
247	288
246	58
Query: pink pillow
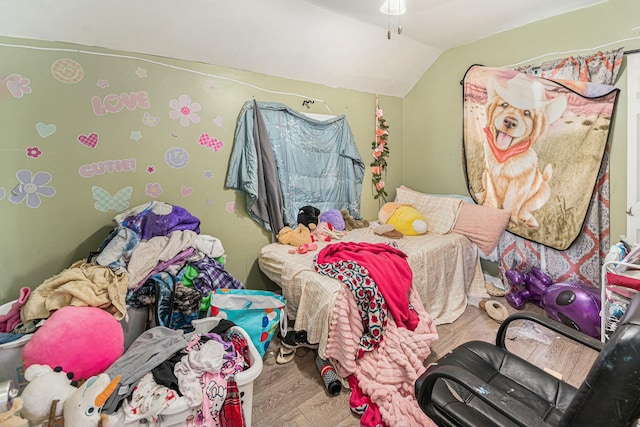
483	225
81	340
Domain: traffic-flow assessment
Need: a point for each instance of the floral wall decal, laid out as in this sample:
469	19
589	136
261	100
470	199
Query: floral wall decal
33	152
31	187
153	189
185	110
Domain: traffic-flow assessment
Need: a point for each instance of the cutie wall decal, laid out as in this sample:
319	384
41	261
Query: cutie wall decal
107	167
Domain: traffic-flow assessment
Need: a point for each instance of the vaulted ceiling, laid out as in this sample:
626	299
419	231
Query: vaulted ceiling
339	43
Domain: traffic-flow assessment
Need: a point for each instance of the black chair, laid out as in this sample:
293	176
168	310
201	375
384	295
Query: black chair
481	384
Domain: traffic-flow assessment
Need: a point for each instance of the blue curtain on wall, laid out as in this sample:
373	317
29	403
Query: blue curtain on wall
317	162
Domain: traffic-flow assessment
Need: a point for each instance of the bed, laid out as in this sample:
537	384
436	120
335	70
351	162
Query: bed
445	263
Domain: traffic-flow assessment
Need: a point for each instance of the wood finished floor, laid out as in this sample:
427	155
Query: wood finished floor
294	394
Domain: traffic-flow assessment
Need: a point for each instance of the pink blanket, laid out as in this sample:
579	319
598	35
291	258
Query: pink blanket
388	373
387	267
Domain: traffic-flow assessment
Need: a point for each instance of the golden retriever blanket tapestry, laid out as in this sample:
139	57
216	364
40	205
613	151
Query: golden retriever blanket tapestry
533	146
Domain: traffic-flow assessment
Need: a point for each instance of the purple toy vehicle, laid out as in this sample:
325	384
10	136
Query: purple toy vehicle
574	304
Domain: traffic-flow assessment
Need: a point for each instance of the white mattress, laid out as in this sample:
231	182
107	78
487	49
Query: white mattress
446	271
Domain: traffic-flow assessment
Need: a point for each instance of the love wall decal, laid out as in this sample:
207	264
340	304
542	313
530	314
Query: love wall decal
114	103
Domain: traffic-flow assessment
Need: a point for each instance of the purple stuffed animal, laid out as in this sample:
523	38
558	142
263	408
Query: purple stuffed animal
574	304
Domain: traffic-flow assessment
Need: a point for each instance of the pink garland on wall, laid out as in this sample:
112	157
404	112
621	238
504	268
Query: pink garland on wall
380	154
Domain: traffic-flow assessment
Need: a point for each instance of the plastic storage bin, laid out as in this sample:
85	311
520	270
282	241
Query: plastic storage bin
11	365
176	415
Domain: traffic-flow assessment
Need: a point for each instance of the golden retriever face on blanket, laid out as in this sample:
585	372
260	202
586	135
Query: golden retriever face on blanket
517	116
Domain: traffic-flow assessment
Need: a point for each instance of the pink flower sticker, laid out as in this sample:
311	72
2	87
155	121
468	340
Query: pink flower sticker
153	190
185	110
33	152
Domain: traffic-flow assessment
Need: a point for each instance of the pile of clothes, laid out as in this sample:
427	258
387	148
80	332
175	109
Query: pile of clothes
154	257
163	366
168	262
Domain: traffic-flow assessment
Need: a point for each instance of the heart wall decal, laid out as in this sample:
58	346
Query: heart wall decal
45	130
90	140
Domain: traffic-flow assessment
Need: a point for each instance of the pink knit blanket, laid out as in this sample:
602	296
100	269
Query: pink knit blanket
388	373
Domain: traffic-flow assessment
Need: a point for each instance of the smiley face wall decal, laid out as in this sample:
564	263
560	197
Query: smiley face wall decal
67	71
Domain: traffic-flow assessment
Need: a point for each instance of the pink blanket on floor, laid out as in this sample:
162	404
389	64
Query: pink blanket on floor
388	373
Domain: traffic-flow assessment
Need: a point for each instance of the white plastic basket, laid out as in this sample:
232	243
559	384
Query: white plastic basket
177	414
11	364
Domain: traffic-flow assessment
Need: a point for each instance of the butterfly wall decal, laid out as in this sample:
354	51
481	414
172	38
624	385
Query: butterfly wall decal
106	202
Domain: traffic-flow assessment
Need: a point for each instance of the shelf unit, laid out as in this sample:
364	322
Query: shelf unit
611	309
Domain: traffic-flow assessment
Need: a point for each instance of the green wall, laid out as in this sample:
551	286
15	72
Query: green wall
38	93
433	109
425	136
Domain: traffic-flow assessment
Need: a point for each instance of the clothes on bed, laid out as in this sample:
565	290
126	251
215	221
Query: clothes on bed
316	161
387	267
370	302
446	270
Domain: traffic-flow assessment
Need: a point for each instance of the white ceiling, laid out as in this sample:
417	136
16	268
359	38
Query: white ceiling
339	43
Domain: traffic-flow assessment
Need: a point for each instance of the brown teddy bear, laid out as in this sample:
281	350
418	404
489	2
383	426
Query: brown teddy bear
297	237
350	222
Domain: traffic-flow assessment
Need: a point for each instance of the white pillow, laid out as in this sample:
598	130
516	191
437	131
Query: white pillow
441	212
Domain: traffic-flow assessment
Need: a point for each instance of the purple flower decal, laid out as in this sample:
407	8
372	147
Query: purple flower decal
31	187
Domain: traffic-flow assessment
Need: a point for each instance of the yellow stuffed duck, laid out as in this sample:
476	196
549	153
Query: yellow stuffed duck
405	218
